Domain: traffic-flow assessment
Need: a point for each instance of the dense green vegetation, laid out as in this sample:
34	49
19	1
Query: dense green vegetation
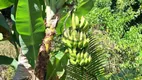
112	30
121	22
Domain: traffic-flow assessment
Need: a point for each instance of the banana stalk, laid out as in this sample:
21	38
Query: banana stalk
51	22
43	55
49	11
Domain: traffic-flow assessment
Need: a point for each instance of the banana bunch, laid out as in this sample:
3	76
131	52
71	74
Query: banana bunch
67	42
76	41
81	59
71	35
79	24
73	38
83	40
70	38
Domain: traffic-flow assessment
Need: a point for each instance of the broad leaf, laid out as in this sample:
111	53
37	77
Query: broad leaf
3	23
43	8
56	66
6	3
8	61
30	26
63	23
84	7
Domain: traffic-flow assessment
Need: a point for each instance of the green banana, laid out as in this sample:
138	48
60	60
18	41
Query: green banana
77	61
81	36
73	62
82	22
66	33
82	54
86	42
73	21
77	39
78	35
85	27
73	54
77	21
74	33
73	58
82	62
85	55
75	43
66	51
63	40
80	44
70	50
67	42
89	59
78	56
71	35
86	61
74	50
84	36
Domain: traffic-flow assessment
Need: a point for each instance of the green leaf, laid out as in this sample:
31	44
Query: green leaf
43	8
64	22
6	3
3	23
61	62
84	7
8	61
30	26
56	66
59	55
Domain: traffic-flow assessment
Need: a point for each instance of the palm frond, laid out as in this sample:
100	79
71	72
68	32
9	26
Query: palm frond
94	69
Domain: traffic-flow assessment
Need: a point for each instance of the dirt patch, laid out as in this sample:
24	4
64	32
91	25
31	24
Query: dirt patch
7	49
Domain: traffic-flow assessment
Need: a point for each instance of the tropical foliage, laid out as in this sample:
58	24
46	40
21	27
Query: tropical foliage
74	39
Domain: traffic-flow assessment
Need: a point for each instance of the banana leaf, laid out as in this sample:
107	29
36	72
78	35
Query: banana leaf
84	7
30	26
8	61
64	22
6	3
56	66
3	23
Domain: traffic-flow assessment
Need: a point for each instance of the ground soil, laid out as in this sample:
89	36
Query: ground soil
7	49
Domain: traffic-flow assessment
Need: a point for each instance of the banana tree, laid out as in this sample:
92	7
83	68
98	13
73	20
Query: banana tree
36	23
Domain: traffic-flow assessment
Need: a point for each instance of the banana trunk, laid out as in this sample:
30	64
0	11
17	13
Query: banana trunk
51	21
43	55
